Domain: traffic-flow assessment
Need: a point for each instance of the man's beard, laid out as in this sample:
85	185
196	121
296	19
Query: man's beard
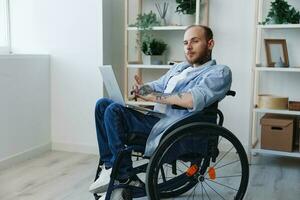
200	59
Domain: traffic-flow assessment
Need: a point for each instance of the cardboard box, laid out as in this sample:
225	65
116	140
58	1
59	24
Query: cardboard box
294	105
277	132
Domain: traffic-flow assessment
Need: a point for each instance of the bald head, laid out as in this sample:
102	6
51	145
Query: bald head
206	30
198	44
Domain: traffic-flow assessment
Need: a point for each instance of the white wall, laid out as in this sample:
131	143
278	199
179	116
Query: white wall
24	106
73	37
233	25
71	32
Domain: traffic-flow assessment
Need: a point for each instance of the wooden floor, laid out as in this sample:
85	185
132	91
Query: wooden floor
67	176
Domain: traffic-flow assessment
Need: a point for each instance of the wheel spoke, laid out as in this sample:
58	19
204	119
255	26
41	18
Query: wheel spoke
227	164
221	158
177	169
183	163
193	192
205	191
239	175
202	191
220	140
221	184
214	190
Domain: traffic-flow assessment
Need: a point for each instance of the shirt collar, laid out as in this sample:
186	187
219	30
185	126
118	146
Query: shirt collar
208	63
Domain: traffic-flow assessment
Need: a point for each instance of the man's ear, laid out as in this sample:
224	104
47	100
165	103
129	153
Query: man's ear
211	44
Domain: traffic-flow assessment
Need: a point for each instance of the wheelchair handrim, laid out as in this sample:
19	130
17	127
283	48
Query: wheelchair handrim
176	135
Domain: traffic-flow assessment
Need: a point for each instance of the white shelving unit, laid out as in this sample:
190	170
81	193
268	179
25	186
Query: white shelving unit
170	31
274	69
260	69
149	66
273	111
279	26
161	28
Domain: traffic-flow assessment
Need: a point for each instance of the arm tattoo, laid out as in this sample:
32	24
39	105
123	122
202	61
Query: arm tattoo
180	94
163	96
145	90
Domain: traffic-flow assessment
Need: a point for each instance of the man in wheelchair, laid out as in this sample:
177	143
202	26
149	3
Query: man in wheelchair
193	85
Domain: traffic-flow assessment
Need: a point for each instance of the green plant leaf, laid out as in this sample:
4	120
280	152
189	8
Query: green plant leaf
186	6
282	13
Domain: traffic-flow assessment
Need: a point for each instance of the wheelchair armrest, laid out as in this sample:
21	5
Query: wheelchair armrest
178	107
231	93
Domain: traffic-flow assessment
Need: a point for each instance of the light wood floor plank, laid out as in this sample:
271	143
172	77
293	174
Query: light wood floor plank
66	176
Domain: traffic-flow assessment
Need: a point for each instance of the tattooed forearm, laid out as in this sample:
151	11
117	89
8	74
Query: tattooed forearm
145	90
180	95
164	96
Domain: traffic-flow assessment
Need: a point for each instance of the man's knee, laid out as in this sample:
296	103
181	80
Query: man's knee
102	104
114	110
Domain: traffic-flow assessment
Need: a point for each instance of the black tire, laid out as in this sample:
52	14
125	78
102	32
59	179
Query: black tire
197	131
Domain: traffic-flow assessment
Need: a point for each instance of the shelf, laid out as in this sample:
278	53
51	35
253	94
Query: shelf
149	66
285	112
141	103
160	28
279	26
278	69
278	153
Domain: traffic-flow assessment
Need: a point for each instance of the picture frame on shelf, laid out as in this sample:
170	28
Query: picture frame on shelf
276	53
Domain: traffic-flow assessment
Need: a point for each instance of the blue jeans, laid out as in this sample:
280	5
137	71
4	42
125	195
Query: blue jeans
113	124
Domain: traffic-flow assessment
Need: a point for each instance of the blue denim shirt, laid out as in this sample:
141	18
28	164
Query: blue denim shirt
207	84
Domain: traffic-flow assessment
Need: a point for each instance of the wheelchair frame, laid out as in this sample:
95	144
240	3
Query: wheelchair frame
136	192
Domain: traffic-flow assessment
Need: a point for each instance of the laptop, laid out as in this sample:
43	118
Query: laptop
115	94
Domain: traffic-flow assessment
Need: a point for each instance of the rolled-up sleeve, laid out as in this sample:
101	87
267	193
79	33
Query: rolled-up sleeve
211	88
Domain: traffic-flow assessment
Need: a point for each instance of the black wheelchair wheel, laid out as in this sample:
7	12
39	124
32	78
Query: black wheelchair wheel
198	161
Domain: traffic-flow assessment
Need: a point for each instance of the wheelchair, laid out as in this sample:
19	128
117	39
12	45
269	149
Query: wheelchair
196	158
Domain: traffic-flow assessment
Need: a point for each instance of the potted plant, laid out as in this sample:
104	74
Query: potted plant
153	50
282	13
146	21
187	10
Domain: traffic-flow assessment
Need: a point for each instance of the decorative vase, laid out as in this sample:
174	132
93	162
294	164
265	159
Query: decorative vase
153	59
163	22
186	20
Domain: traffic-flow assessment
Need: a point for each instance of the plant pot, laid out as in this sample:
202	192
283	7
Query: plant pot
153	60
186	20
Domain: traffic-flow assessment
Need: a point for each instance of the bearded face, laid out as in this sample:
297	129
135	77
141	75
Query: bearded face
196	47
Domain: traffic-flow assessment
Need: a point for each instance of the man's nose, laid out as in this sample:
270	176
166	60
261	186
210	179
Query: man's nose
189	46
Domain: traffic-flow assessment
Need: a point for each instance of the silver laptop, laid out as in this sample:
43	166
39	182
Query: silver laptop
114	91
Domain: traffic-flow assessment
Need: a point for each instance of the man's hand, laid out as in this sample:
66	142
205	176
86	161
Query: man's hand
139	88
138	82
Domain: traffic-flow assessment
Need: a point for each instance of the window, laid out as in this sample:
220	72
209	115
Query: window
4	27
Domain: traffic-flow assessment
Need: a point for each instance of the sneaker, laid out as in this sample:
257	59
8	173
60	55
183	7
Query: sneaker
120	194
123	193
101	184
103	196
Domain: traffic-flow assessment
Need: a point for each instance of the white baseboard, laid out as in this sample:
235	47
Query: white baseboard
25	155
70	147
